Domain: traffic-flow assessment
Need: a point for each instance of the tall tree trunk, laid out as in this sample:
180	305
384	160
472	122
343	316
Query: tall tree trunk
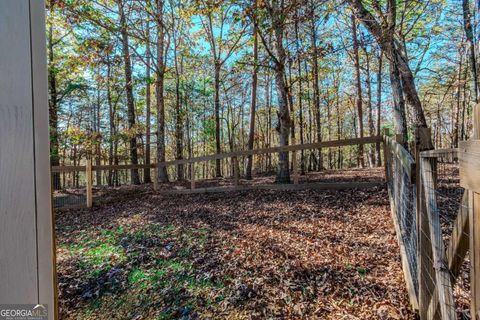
129	89
384	36
159	90
456	111
283	127
218	147
300	98
379	108
316	86
268	97
178	115
290	99
53	103
339	129
148	106
467	25
463	127
111	121
359	99
253	105
368	84
399	115
97	135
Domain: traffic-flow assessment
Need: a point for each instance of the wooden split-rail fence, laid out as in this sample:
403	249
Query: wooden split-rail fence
89	169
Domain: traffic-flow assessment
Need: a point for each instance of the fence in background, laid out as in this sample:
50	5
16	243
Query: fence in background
77	185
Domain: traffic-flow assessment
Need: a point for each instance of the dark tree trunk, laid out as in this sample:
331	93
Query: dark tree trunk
300	99
379	108
111	117
316	87
129	89
98	146
268	97
359	99
218	147
148	106
368	84
159	90
178	113
456	110
283	128
467	25
400	119
253	106
53	105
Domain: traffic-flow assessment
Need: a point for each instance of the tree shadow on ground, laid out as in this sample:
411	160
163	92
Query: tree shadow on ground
263	254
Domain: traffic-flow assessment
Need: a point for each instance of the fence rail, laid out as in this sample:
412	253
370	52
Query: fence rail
236	154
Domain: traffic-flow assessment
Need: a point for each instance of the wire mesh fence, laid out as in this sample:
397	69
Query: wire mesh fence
113	177
452	207
403	197
228	171
69	189
430	212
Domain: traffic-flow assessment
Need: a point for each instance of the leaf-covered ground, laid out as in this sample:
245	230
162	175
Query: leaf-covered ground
244	255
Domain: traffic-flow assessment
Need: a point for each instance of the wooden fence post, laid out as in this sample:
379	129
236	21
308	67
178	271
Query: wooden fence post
442	299
192	175
294	164
426	286
88	179
236	169
474	208
474	217
386	153
155	177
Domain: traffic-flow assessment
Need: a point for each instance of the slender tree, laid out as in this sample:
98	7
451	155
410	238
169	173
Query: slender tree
129	91
253	103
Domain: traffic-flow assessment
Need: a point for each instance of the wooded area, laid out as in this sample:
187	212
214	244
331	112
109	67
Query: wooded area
137	82
190	95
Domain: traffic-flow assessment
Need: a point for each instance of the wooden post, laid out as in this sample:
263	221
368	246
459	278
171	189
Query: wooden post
89	182
426	286
476	122
192	175
442	300
474	215
386	153
399	139
155	177
236	173
294	164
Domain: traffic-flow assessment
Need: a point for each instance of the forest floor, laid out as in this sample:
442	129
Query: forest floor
238	255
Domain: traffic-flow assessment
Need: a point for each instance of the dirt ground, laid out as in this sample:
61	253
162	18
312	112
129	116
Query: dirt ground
243	255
